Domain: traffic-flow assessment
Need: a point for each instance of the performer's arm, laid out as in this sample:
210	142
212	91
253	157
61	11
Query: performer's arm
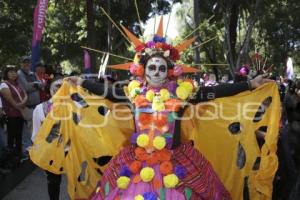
224	90
114	94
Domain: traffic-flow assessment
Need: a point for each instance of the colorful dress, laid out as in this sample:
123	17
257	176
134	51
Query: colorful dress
157	165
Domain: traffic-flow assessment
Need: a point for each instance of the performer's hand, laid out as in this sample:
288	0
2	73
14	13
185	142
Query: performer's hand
260	80
74	80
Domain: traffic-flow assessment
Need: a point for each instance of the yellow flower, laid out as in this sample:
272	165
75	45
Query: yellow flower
123	182
132	85
159	142
165	95
182	93
149	95
188	86
170	181
142	140
147	174
139	197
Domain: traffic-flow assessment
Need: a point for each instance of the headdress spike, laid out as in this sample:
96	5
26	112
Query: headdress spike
181	47
160	30
135	40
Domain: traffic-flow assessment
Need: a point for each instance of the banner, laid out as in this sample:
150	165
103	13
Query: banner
39	24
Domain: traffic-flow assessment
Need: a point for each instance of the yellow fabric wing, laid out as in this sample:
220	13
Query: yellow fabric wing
226	132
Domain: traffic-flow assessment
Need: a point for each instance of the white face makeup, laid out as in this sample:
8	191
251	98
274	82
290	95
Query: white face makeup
55	86
156	71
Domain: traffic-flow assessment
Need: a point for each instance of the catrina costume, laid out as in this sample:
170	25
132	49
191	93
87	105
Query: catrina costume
155	153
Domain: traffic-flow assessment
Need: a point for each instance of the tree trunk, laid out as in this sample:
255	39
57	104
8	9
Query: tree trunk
91	36
197	23
244	50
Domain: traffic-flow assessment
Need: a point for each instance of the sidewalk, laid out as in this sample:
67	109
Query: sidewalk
34	187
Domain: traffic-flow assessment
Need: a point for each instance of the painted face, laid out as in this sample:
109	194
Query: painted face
55	86
156	71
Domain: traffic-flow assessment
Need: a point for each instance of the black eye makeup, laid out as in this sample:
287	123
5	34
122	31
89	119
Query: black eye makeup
152	67
162	68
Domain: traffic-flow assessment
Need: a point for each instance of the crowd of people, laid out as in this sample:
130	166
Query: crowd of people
21	91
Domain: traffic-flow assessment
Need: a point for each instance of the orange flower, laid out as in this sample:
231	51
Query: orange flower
152	159
164	155
141	154
135	166
160	120
166	168
145	118
173	105
158	45
141	101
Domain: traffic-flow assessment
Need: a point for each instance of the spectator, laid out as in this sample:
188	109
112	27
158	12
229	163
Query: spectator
40	72
14	101
32	86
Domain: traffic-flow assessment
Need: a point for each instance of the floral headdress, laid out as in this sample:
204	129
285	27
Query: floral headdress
157	46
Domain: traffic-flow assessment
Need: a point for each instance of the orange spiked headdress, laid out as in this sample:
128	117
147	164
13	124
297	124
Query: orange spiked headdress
157	46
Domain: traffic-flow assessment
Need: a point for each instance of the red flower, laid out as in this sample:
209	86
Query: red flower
174	54
170	72
140	48
166	46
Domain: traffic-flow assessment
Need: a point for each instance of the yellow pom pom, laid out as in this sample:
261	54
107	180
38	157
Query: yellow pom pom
142	140
170	181
147	174
149	95
188	86
164	94
159	142
132	85
123	182
139	197
182	93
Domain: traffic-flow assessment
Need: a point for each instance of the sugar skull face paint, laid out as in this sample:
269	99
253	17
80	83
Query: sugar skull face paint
156	71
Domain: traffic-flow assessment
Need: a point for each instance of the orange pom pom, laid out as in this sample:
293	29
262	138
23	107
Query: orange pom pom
160	120
141	154
152	159
166	168
141	101
173	105
156	184
135	166
164	155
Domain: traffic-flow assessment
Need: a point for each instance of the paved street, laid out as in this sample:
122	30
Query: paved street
34	187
